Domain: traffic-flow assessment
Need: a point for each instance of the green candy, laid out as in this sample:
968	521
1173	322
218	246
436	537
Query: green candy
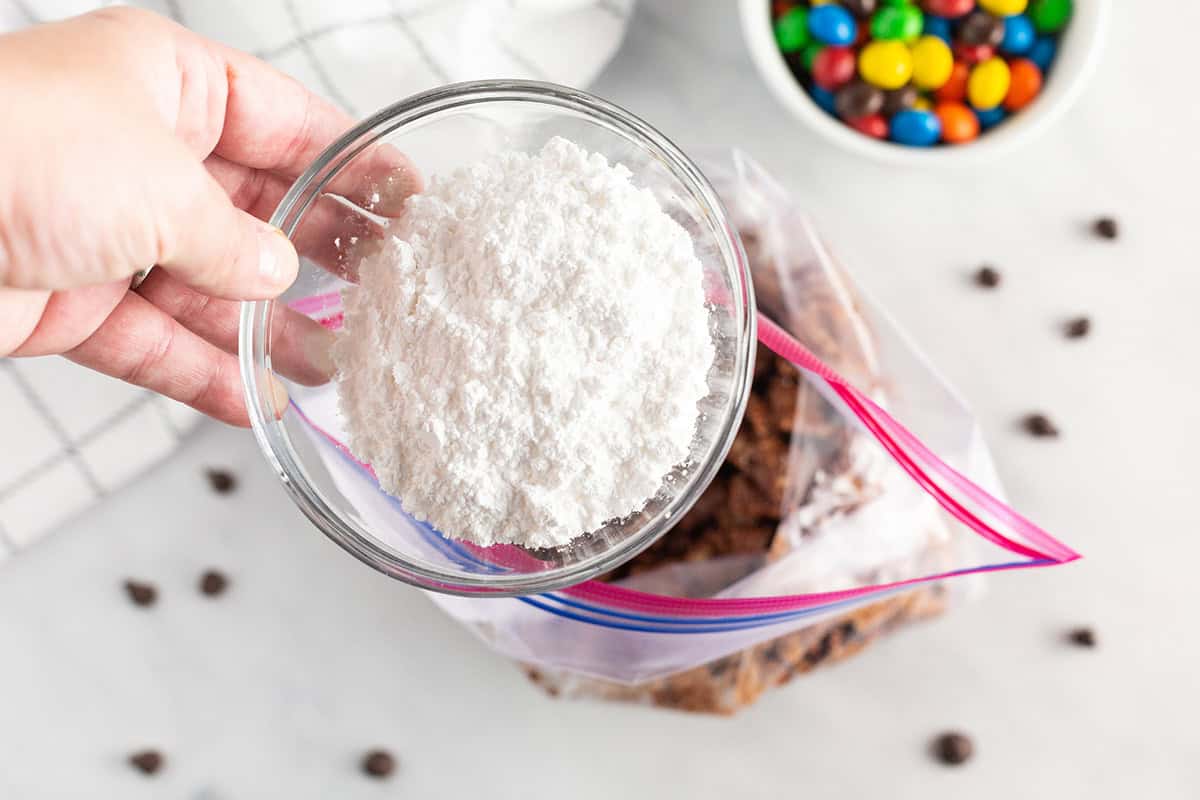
810	54
903	22
791	30
1050	16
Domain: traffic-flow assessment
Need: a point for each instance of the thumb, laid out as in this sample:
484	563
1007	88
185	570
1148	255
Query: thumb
223	251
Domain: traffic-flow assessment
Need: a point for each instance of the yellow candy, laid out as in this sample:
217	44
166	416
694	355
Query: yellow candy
1004	8
922	104
932	63
887	64
988	84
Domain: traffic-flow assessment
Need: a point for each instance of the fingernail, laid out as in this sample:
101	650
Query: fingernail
277	262
318	349
279	397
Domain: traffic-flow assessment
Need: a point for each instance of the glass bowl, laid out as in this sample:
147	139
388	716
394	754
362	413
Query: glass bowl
339	199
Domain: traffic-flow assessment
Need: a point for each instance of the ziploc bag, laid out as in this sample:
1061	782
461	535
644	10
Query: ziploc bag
830	525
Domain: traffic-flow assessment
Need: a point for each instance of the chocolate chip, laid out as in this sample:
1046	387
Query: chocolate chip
141	594
1040	425
1106	228
1078	328
147	762
213	583
378	763
221	481
953	748
987	277
1083	637
857	99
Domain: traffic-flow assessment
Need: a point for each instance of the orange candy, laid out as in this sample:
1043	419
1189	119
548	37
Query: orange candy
955	88
959	123
1025	84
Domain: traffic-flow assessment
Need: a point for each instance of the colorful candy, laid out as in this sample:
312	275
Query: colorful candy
886	64
903	22
1004	8
1024	84
915	128
1050	16
932	63
833	66
920	72
791	30
948	8
959	123
1018	35
832	24
988	84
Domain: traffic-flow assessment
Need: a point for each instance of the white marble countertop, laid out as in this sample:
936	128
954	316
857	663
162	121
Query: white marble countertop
274	689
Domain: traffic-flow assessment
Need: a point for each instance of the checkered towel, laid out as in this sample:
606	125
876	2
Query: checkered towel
59	454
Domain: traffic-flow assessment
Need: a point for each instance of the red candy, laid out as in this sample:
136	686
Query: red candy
873	125
1026	82
973	53
959	123
781	7
954	90
833	67
948	8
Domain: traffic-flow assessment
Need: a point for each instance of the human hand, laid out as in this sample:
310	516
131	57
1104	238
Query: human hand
128	142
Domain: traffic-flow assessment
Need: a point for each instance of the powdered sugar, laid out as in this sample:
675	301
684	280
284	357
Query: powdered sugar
522	360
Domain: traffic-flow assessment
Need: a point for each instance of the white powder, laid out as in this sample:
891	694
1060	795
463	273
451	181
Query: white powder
522	360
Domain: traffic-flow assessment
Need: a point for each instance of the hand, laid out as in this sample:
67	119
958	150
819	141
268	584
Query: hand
129	141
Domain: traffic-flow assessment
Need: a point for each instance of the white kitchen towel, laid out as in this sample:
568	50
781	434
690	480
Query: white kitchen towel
69	436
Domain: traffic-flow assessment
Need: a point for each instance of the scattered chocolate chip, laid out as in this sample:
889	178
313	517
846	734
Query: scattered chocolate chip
147	762
221	481
953	748
141	594
1083	637
1078	328
213	583
1040	425
1106	228
987	277
378	763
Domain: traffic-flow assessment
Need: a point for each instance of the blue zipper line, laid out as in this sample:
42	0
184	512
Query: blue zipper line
603	610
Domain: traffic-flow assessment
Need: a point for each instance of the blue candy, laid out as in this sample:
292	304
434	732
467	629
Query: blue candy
937	26
990	118
1042	53
1018	35
832	24
823	98
915	128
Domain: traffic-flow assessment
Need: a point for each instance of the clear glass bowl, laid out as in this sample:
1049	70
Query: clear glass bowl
439	131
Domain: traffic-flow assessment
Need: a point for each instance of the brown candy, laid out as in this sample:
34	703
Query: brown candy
860	8
981	27
857	99
898	100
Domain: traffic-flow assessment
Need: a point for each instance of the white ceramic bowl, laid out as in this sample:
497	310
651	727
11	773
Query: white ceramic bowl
1079	50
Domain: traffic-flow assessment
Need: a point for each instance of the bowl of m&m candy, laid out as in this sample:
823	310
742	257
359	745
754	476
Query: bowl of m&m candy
926	80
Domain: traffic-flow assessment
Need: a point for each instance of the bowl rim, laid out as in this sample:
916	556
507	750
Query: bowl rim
254	358
1079	54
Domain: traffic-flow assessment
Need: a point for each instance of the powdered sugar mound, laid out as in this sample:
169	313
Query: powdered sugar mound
522	360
